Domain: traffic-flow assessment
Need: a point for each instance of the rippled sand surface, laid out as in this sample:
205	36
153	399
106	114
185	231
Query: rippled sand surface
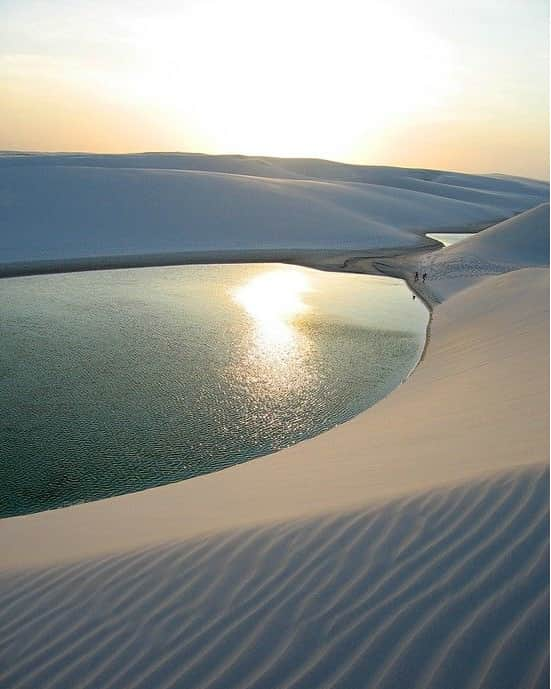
444	589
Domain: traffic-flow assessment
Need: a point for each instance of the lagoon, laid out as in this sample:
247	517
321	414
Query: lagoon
116	381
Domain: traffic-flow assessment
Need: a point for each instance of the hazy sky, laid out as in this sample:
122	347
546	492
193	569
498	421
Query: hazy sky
458	85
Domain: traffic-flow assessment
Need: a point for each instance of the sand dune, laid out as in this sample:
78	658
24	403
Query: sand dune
296	168
516	243
441	589
60	207
405	549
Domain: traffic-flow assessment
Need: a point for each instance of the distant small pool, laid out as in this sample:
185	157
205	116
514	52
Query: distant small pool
449	238
116	381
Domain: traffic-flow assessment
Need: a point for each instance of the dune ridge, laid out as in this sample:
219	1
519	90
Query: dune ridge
518	242
431	590
61	207
513	244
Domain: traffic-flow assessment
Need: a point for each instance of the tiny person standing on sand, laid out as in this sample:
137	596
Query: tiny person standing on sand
424	277
416	278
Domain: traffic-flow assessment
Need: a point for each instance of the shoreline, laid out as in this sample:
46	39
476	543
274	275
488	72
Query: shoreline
323	259
337	259
391	262
274	488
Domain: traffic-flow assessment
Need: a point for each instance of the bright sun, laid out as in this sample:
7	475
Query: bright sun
287	78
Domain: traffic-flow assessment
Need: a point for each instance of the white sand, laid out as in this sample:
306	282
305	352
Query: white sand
60	207
520	242
446	589
405	548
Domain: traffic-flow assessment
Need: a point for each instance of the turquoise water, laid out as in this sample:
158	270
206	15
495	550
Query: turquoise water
116	381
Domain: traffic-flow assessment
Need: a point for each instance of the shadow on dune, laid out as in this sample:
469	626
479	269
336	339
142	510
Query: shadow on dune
443	589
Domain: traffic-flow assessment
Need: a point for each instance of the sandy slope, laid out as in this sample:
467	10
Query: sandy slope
70	206
519	242
445	589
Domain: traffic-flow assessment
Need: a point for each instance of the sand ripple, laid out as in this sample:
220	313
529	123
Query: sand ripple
444	590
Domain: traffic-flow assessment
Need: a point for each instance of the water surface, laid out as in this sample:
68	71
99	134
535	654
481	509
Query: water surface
116	381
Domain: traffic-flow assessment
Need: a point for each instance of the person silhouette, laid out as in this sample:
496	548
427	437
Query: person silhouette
416	278
424	277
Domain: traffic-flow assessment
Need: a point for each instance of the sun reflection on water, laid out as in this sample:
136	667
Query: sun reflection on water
274	300
277	360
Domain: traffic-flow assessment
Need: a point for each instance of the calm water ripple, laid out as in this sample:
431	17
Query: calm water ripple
116	381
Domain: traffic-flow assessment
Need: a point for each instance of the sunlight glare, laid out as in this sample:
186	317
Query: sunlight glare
273	300
307	78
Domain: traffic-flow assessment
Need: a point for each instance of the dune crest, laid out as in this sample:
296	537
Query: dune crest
62	207
516	243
